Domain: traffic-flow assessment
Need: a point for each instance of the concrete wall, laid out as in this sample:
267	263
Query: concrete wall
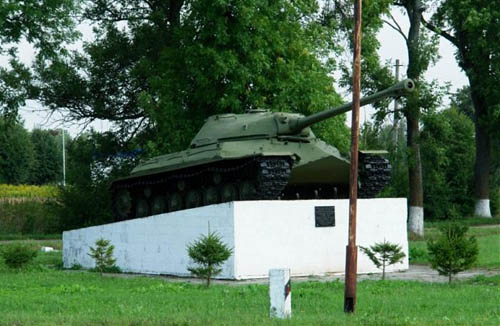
263	235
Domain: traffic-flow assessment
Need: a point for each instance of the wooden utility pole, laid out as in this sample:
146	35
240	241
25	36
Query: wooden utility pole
351	265
396	113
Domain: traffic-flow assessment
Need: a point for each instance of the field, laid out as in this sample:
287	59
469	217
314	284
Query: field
44	294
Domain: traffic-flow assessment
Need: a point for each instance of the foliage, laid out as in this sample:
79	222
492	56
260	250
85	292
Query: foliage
103	255
28	217
16	153
448	161
48	159
44	24
17	255
453	251
27	191
384	254
472	27
94	160
209	252
157	70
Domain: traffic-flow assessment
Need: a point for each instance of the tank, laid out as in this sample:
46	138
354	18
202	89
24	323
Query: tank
259	155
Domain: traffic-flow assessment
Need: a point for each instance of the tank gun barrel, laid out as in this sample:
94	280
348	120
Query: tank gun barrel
400	89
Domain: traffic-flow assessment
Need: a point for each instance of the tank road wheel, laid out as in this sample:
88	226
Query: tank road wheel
229	192
193	198
210	196
141	207
122	204
158	205
247	190
174	202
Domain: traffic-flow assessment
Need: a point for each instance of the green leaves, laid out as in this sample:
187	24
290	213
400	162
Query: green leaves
384	254
178	62
453	251
17	255
209	252
103	255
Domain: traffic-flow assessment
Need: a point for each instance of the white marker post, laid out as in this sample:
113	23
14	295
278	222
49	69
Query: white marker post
280	293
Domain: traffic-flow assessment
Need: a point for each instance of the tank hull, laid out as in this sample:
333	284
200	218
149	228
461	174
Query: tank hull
256	169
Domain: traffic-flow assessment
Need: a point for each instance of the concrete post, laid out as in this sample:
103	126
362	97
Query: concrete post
280	293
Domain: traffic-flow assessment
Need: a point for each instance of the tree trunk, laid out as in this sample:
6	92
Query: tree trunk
416	201
416	210
482	165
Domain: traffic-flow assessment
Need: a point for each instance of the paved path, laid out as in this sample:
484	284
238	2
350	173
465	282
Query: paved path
415	273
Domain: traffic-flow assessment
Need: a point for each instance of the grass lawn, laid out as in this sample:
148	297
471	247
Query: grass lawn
488	239
45	295
49	297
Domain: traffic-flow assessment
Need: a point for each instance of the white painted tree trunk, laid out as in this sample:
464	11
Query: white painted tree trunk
482	208
416	220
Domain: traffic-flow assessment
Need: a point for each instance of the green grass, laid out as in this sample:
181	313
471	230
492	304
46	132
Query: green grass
488	239
45	295
82	298
470	221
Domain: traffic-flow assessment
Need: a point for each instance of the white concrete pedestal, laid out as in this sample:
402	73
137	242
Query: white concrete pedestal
263	234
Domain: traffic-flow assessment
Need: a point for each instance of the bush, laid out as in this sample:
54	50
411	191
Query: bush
16	256
103	256
453	251
209	252
28	217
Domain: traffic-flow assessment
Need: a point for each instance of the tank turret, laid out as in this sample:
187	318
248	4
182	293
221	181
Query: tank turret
259	155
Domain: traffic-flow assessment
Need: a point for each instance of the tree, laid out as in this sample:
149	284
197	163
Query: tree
47	166
422	50
209	252
46	25
94	160
103	255
384	254
453	251
16	153
472	27
448	158
157	69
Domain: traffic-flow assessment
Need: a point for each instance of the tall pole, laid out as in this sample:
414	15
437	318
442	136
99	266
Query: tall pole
63	159
352	250
396	114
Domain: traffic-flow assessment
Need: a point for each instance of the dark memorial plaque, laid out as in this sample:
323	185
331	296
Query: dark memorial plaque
324	216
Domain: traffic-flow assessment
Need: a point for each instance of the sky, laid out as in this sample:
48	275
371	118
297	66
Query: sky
392	47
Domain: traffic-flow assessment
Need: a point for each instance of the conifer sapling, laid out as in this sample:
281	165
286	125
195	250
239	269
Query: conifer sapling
453	251
103	255
209	252
384	254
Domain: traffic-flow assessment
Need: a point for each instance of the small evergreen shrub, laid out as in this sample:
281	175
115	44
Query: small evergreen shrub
209	252
18	255
453	251
103	256
384	254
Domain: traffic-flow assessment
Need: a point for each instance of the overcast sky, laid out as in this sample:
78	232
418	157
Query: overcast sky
392	47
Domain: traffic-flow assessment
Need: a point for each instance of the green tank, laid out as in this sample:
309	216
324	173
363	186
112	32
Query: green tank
259	155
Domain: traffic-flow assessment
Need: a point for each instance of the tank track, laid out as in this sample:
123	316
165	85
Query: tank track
374	174
264	178
256	178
